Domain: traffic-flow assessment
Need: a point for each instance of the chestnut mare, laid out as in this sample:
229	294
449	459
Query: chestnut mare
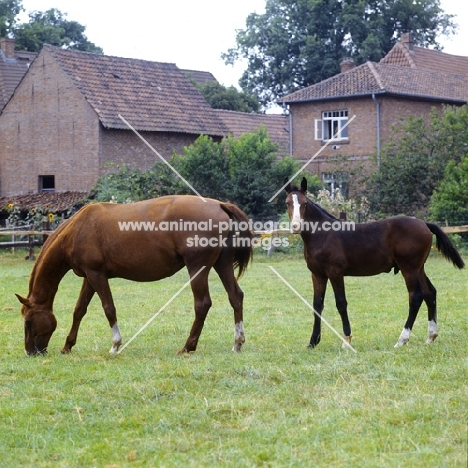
168	233
332	250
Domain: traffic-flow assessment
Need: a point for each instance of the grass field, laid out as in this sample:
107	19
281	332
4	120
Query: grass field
277	404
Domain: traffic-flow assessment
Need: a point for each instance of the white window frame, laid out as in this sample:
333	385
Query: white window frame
336	180
331	123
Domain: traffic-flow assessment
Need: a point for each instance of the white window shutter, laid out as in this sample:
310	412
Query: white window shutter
318	129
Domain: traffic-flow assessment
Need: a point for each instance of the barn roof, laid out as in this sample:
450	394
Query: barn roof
277	125
152	96
13	65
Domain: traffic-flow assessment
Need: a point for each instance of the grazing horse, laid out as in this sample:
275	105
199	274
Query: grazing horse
334	249
143	241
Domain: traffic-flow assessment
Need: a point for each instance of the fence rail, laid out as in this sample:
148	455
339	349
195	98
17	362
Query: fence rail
454	229
32	242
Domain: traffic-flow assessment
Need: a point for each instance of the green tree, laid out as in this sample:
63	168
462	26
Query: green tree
449	203
255	173
220	97
244	170
124	184
296	43
206	165
9	10
413	163
53	28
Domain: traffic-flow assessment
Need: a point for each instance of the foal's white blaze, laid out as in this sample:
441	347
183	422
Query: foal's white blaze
432	331
239	337
404	338
296	218
116	339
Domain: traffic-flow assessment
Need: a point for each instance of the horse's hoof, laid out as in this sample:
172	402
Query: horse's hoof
347	342
431	338
115	349
237	348
401	343
66	351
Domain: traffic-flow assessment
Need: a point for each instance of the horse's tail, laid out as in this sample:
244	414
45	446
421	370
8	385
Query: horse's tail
241	239
445	246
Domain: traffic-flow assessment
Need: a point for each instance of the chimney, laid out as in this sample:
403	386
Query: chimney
7	46
407	40
347	64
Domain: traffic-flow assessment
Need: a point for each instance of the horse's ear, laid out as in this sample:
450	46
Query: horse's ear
304	184
288	187
23	301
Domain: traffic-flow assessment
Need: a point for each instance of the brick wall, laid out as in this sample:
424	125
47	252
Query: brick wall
48	128
358	154
125	147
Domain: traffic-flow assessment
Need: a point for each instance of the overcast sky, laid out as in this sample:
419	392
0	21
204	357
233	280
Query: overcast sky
191	34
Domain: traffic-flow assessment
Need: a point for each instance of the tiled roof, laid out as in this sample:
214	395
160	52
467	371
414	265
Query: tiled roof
151	96
426	59
55	202
422	73
277	125
12	71
200	77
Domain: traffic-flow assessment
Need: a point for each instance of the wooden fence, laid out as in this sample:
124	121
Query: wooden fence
33	241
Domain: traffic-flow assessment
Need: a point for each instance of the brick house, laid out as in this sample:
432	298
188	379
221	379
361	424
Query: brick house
409	80
60	130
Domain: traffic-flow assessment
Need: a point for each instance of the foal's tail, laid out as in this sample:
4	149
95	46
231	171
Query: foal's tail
240	238
445	246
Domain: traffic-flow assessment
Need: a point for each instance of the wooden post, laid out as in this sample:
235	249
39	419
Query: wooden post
30	247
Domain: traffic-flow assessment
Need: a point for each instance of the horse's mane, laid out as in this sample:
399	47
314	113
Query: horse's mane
45	247
320	208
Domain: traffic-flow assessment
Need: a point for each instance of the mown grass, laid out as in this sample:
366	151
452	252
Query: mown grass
277	404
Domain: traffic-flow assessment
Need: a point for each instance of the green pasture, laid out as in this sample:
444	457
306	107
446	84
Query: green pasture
276	404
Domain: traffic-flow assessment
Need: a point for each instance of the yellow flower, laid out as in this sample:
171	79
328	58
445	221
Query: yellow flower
10	206
51	217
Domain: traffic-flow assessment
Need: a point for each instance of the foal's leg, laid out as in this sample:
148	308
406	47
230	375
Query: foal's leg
202	300
320	287
100	283
416	297
225	271
430	298
86	294
342	306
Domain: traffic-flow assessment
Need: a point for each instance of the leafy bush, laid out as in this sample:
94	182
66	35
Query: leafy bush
245	171
449	203
413	162
356	210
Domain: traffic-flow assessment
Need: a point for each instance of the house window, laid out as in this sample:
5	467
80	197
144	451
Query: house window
330	126
336	180
46	183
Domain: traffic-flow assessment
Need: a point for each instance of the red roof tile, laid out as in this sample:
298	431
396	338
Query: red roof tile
277	125
56	201
151	96
421	73
12	71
